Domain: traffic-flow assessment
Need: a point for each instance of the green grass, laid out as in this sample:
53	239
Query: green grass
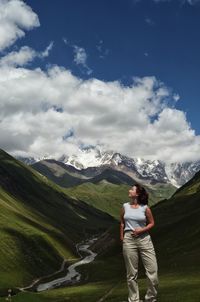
30	246
177	231
172	288
88	292
39	224
109	197
104	196
106	191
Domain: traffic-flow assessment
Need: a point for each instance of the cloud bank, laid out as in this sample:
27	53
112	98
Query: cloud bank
52	112
39	109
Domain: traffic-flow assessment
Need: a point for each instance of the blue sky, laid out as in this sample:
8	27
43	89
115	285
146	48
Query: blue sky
141	38
120	75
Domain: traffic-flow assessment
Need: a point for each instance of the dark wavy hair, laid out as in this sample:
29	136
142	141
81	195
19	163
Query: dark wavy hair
143	197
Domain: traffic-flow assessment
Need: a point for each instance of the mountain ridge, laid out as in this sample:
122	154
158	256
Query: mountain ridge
142	170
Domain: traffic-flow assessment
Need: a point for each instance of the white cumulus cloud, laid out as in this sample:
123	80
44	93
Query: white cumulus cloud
54	112
15	17
18	58
24	56
38	109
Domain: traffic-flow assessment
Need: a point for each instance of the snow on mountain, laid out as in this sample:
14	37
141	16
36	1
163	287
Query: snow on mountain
175	173
88	158
140	169
153	168
179	173
27	160
31	160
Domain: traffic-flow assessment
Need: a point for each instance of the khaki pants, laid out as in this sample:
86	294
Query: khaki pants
131	246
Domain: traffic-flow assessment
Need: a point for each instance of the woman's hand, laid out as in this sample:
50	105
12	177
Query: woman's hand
136	232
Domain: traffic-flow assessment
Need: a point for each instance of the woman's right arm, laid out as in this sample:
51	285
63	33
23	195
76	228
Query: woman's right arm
122	224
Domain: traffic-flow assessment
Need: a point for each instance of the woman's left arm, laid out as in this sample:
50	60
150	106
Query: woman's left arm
150	223
150	220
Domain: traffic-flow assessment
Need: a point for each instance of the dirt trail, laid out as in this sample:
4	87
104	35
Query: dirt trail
109	292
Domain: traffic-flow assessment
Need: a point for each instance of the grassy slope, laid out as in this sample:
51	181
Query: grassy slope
176	240
59	173
172	288
109	197
39	223
26	242
177	234
106	191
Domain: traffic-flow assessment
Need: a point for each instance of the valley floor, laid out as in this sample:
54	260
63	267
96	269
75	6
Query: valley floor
172	288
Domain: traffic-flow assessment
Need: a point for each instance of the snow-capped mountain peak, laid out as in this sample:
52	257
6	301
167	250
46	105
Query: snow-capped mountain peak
152	170
140	169
88	158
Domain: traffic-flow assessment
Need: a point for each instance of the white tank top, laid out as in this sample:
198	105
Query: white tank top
134	218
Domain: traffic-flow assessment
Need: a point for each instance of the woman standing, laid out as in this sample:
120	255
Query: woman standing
136	221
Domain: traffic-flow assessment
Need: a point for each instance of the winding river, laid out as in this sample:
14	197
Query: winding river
72	275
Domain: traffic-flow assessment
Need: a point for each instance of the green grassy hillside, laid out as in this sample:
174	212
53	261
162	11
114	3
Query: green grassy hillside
104	187
24	223
39	223
176	238
177	231
109	197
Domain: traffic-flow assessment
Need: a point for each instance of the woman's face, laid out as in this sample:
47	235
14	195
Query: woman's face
133	192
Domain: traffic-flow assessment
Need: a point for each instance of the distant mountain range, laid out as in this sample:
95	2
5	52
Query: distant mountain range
91	162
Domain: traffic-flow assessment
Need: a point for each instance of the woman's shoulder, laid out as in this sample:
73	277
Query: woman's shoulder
144	206
125	204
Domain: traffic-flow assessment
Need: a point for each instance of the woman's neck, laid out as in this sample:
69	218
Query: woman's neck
134	201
